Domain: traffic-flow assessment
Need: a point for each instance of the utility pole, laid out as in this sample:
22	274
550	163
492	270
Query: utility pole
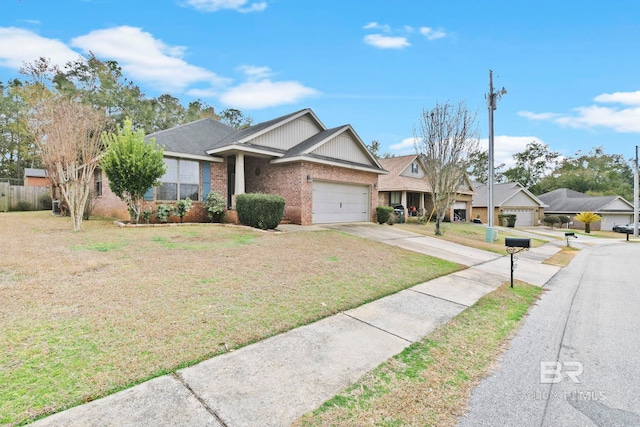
635	196
491	235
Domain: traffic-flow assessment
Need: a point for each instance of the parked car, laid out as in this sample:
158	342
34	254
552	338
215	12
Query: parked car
623	228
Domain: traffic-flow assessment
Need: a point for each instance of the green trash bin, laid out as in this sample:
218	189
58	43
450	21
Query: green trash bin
399	212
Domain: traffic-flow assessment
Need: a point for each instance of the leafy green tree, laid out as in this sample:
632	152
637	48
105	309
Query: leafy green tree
532	165
235	118
132	165
595	173
479	168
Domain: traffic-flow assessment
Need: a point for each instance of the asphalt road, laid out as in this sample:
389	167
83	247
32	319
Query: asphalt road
576	360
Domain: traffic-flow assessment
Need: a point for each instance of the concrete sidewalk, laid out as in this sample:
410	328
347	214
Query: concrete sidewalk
275	381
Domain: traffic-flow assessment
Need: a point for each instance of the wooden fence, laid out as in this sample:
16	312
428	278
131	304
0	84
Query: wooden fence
18	197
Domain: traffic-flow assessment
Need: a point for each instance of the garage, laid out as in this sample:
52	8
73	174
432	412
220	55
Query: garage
524	217
339	202
609	220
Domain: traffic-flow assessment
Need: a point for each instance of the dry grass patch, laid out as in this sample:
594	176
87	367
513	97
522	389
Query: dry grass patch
430	382
85	314
467	234
562	258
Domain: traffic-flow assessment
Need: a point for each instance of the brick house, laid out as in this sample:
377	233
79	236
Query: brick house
405	185
508	198
325	175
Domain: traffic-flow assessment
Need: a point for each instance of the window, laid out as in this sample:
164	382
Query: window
181	180
395	197
97	182
414	167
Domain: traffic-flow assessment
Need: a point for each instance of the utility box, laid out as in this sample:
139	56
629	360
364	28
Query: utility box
517	242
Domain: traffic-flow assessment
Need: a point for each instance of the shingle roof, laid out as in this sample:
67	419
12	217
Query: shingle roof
566	200
36	173
193	138
396	182
502	192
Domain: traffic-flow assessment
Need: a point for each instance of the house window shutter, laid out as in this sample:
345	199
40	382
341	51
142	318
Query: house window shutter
148	196
206	179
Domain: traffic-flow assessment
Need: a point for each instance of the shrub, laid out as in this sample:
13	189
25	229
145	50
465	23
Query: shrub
587	218
215	204
183	207
564	219
45	202
383	213
163	213
393	218
509	218
264	211
146	215
550	220
23	205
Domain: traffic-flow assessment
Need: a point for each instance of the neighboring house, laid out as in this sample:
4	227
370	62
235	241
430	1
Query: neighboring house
614	210
405	185
325	175
508	198
36	178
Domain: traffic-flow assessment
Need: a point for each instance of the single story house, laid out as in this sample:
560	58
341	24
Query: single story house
36	178
405	185
508	198
325	175
614	210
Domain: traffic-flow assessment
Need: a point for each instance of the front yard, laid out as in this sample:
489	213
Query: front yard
86	314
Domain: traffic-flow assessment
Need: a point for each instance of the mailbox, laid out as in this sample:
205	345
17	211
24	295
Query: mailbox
570	234
517	242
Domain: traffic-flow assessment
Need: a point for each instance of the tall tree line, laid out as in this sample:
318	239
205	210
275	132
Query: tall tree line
100	85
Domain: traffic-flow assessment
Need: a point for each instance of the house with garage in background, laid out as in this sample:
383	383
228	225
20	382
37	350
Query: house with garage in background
613	210
325	175
508	198
405	185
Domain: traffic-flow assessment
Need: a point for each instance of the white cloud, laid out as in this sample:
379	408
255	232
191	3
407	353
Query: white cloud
432	34
625	119
538	116
406	146
265	93
376	26
255	73
504	147
19	46
147	59
625	98
386	42
216	5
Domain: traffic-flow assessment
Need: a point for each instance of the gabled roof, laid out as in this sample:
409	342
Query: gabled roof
394	181
564	200
193	138
502	193
272	139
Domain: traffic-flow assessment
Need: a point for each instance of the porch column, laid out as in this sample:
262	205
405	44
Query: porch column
403	202
421	205
239	187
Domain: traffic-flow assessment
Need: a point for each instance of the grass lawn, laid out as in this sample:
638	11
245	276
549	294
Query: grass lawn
430	382
89	313
467	234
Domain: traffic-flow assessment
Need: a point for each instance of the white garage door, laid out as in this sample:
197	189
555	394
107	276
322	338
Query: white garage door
609	220
524	217
336	202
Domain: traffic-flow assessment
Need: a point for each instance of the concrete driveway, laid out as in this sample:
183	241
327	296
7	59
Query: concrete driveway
417	242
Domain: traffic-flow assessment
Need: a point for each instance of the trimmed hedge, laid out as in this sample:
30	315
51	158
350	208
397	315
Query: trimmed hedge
510	218
264	211
383	213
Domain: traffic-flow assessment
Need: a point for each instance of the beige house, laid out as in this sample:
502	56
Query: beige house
508	198
405	185
324	174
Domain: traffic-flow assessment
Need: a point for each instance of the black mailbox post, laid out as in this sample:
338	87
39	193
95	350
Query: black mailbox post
515	245
570	234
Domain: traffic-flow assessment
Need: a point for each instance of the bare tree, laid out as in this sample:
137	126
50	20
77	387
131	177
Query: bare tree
68	137
446	136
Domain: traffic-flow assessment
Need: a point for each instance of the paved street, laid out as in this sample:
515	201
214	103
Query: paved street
585	331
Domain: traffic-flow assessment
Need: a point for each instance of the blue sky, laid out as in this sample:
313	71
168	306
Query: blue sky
571	68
